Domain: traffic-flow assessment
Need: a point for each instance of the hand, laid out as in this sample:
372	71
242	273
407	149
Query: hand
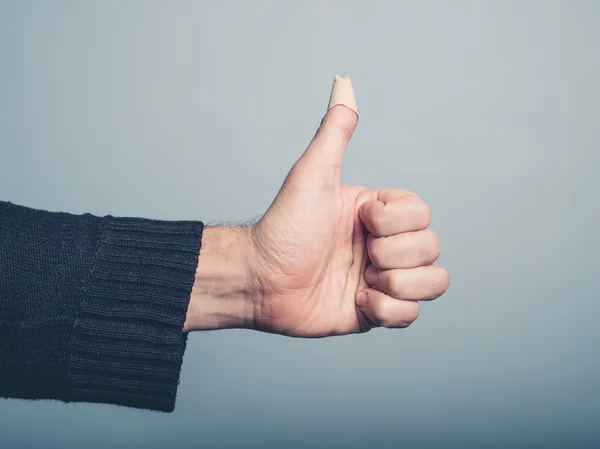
325	259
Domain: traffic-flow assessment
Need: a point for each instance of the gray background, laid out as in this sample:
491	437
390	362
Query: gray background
196	110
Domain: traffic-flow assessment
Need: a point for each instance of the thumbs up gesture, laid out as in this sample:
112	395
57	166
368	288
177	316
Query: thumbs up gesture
326	258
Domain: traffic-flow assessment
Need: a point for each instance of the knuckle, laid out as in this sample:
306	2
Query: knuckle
398	286
339	125
411	314
374	247
432	247
384	316
421	209
376	220
440	283
443	282
392	194
395	286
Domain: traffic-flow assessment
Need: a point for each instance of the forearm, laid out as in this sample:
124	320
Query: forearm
225	291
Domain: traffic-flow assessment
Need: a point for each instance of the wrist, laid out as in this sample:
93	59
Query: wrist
225	292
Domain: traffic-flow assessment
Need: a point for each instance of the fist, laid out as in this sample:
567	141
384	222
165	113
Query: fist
401	252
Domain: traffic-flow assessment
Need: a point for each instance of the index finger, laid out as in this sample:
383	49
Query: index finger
393	212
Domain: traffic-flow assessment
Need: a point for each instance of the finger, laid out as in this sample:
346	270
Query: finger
337	127
406	250
414	284
383	310
390	216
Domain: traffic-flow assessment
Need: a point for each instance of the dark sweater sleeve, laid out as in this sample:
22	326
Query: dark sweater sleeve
92	308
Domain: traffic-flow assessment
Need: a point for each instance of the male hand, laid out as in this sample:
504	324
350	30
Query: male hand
326	258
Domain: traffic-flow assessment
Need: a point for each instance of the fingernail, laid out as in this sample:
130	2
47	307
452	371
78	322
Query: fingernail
361	299
371	275
342	93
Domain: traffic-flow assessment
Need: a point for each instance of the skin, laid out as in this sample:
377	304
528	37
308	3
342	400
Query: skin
325	259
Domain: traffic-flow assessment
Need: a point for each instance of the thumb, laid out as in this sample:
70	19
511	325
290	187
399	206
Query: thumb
328	146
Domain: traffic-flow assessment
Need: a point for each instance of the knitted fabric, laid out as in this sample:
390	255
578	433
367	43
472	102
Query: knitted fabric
92	308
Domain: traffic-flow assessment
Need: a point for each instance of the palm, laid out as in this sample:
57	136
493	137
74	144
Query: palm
312	244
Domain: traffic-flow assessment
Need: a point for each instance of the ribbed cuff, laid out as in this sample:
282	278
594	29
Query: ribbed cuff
128	344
